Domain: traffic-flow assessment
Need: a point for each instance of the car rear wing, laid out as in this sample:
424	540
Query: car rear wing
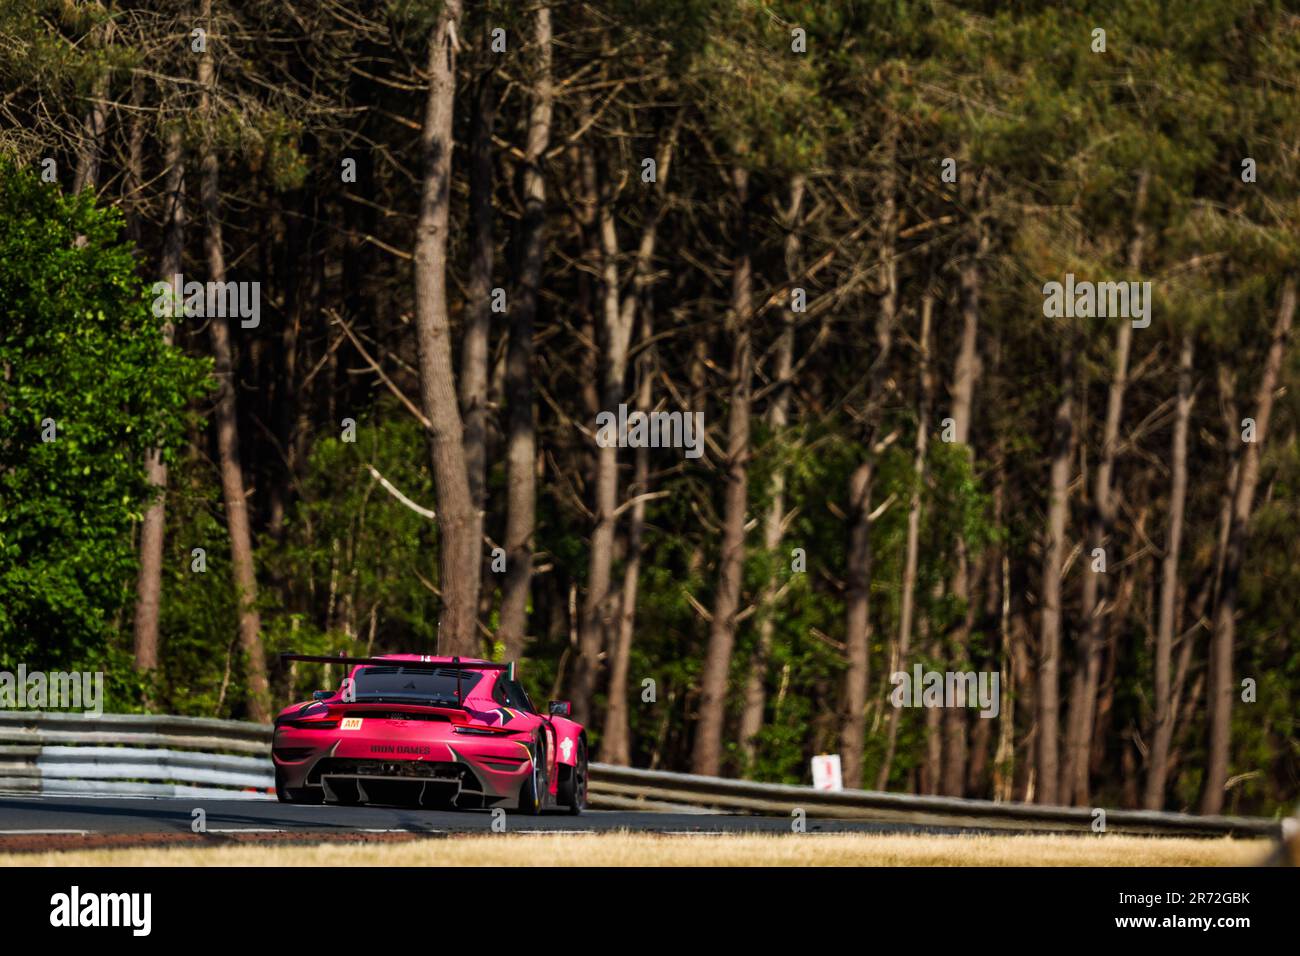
425	663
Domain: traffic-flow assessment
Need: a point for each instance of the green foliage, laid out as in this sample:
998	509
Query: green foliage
82	359
761	95
354	550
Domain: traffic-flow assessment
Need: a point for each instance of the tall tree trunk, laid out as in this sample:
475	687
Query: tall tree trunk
475	345
521	452
92	146
907	598
932	761
1187	707
459	566
226	415
1058	512
615	748
981	736
616	745
707	756
1074	767
133	199
857	624
148	589
1004	757
1107	685
1101	516
1221	688
1025	778
965	373
596	612
1162	732
618	319
755	700
859	558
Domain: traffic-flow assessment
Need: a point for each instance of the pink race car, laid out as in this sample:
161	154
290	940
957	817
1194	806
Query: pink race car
430	731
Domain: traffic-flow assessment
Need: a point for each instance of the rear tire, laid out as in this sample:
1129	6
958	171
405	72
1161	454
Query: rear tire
573	787
532	794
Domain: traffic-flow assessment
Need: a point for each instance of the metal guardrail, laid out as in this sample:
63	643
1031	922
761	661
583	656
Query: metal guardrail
148	755
627	788
133	754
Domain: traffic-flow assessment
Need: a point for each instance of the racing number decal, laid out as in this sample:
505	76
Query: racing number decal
350	723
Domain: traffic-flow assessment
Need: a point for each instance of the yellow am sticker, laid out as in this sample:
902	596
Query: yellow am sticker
350	723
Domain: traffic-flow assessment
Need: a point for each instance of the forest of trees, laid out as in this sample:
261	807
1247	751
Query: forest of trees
827	229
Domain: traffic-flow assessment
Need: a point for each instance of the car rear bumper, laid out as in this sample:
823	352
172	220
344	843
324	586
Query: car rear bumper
392	762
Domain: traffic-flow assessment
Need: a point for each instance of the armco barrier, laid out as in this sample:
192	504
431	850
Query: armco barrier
626	788
135	754
149	755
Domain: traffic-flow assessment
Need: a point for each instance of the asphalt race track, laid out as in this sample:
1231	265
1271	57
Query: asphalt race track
27	816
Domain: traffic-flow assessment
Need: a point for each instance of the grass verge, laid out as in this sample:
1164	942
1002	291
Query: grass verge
640	849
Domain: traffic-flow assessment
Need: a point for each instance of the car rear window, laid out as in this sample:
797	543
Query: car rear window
413	684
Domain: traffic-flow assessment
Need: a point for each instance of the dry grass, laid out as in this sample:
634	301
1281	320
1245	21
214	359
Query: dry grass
639	849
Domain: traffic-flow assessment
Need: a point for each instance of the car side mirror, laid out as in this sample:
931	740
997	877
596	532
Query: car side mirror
320	695
560	708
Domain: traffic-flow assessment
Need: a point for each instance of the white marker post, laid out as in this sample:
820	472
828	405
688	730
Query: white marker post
826	772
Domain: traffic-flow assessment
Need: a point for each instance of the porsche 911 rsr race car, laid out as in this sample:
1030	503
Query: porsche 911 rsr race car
430	731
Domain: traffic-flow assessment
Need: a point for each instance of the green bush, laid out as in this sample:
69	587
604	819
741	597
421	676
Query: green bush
87	387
